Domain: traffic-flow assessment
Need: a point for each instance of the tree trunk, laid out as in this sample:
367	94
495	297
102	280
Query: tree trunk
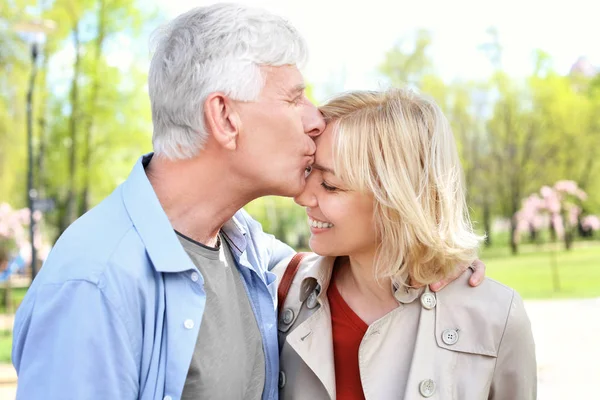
89	131
487	222
514	247
70	212
42	140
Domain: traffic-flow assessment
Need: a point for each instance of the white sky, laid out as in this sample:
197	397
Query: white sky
348	39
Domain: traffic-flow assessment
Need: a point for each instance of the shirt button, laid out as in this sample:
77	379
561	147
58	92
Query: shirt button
188	324
450	336
427	388
288	316
281	379
167	398
195	276
428	300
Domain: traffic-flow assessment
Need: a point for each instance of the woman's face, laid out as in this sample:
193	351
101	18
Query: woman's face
340	220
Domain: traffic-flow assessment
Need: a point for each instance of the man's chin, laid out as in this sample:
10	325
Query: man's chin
292	190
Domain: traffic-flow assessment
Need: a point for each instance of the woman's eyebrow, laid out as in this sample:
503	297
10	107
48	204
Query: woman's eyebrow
322	168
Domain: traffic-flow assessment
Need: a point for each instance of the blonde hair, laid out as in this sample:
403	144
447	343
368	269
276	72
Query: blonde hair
398	145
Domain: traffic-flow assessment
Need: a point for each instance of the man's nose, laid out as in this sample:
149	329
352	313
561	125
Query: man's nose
314	123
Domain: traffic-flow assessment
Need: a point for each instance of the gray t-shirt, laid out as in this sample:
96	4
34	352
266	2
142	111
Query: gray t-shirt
228	362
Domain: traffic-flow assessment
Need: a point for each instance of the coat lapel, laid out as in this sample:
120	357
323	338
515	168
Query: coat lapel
313	342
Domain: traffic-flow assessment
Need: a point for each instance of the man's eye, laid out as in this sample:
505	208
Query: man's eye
327	187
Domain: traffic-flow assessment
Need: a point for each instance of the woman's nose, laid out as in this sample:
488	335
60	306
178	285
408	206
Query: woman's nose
307	198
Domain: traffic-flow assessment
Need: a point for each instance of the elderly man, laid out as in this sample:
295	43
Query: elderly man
164	290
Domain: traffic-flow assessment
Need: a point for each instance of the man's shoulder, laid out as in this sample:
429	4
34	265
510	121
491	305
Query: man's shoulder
100	257
100	243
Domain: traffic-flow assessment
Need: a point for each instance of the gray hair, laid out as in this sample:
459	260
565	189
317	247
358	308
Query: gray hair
218	48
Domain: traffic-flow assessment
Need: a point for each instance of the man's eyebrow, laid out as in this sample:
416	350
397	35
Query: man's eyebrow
299	88
322	168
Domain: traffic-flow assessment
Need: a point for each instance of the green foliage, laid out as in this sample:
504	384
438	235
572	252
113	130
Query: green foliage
91	112
513	135
283	218
92	116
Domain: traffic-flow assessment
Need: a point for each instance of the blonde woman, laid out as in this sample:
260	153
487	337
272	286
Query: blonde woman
387	213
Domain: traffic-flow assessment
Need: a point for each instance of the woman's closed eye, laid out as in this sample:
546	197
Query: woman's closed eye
328	187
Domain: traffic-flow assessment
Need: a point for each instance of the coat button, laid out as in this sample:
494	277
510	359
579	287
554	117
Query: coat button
428	300
308	285
288	316
281	382
427	388
450	336
311	302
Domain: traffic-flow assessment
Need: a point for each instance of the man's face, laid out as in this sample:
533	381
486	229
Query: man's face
275	144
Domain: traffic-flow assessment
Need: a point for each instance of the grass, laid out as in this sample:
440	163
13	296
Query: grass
17	296
5	346
531	272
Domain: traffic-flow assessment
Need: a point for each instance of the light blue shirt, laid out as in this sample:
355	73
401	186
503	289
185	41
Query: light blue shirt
115	311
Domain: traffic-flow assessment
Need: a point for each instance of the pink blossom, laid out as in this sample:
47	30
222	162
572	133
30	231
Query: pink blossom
522	225
4	229
23	216
569	187
540	221
546	191
573	215
581	195
5	209
14	227
552	203
37	215
559	228
591	222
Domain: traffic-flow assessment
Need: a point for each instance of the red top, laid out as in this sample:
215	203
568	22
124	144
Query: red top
347	331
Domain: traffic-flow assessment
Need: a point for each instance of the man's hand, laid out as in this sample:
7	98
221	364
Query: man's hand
478	268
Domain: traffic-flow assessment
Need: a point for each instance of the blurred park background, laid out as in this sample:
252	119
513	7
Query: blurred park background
518	80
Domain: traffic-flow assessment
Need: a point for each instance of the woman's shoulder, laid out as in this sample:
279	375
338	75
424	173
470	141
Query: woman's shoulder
307	262
480	314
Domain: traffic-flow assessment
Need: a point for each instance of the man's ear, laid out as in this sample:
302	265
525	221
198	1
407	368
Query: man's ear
222	120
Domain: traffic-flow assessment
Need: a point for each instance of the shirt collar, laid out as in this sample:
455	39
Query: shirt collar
151	222
235	233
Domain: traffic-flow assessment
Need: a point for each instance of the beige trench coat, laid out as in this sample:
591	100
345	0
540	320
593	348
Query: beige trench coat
462	343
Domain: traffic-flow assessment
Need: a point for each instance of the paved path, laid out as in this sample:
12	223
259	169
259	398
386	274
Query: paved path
567	337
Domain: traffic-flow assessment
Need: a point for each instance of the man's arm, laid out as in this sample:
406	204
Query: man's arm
70	343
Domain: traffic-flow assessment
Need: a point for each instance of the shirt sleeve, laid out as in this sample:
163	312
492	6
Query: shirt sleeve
71	343
515	375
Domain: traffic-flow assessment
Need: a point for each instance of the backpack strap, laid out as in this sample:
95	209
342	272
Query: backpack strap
288	278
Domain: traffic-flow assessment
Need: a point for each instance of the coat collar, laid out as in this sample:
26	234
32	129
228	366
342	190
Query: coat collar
320	271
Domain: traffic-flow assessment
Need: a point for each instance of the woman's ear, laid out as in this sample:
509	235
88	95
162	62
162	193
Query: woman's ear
222	121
